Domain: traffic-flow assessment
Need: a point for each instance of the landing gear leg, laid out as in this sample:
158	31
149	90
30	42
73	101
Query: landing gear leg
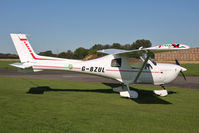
163	88
129	93
120	88
162	92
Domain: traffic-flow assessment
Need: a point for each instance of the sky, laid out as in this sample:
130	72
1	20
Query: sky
61	25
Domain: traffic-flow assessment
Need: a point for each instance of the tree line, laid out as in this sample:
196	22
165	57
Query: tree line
81	52
8	56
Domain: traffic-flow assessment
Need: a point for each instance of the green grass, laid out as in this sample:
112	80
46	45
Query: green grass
192	69
5	65
67	106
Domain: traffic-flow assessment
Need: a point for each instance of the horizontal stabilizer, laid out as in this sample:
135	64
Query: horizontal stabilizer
25	67
21	65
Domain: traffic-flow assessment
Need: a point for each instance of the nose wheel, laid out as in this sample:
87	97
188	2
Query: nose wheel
162	92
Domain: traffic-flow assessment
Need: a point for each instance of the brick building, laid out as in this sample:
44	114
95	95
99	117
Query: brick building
191	54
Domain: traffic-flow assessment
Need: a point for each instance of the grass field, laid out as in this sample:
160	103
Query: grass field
64	106
5	65
192	69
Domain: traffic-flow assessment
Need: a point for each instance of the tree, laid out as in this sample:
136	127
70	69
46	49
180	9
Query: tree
141	43
97	47
137	44
92	51
126	47
47	53
8	56
107	46
62	55
116	46
67	55
80	53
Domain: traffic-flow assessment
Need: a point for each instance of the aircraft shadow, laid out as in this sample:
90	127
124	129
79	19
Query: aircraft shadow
42	89
145	96
148	97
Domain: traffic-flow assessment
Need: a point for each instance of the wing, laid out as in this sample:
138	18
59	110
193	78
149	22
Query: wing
155	48
116	51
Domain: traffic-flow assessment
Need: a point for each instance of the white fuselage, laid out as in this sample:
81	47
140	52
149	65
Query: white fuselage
159	73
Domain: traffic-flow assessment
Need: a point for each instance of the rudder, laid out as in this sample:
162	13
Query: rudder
23	47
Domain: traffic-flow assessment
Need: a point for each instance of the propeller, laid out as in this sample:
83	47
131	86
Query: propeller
177	63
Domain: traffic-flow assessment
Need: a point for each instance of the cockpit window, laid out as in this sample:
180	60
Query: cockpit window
137	63
116	62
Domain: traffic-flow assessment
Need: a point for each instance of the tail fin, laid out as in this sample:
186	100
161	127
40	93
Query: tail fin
23	47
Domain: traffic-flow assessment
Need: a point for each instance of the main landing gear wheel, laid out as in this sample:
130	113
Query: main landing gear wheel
129	93
162	92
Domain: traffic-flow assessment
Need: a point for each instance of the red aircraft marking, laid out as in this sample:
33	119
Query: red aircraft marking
55	66
23	39
31	53
168	45
132	71
177	46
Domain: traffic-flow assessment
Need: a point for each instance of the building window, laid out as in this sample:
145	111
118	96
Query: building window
116	62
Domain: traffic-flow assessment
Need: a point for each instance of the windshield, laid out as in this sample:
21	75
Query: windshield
136	63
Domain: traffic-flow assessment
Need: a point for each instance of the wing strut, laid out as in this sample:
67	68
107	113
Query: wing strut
141	69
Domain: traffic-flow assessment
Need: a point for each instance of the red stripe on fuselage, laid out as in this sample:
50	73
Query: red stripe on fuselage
49	66
113	70
55	66
33	56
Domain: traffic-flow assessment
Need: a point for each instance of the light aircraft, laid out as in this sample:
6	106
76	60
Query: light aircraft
115	65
